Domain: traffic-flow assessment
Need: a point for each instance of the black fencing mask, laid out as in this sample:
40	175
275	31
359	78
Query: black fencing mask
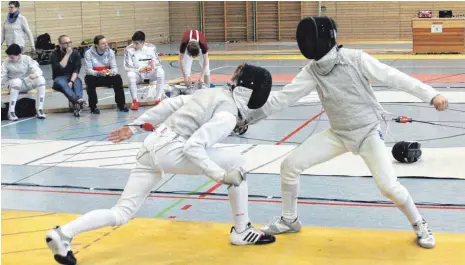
316	36
253	84
407	152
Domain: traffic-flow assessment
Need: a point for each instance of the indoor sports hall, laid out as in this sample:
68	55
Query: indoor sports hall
56	169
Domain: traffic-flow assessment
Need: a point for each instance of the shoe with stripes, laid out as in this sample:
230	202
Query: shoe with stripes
425	237
250	236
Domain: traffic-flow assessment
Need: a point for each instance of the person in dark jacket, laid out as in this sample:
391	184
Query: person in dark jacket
101	70
66	64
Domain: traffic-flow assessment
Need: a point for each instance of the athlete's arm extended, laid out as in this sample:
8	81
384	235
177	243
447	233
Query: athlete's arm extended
302	85
160	113
373	69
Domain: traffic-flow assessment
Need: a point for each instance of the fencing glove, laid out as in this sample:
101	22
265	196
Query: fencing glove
234	178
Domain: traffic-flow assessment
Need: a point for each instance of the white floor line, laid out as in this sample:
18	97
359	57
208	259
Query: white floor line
12	123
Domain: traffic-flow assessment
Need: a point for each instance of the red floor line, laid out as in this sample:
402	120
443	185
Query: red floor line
227	199
185	207
300	128
210	190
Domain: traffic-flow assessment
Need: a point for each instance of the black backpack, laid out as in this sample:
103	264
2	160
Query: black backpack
25	107
44	42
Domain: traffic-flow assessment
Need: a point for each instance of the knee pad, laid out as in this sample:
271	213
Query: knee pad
289	172
15	83
122	214
396	193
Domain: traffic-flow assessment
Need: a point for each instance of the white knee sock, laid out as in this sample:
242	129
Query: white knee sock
90	221
290	194
239	198
40	97
410	210
160	89
133	90
14	94
132	84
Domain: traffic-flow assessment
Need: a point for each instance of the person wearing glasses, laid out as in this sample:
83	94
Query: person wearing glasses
16	27
142	64
66	64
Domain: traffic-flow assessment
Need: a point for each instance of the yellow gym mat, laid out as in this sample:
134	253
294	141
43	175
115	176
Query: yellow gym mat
156	241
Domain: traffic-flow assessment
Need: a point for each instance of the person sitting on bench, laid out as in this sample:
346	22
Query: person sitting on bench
21	73
66	65
101	70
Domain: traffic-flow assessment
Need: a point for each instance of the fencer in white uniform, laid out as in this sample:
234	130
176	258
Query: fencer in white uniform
341	78
21	74
187	128
142	64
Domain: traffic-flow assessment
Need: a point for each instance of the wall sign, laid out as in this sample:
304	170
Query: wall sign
436	28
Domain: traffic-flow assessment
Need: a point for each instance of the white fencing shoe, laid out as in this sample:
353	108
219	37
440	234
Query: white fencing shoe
280	226
250	236
425	237
60	246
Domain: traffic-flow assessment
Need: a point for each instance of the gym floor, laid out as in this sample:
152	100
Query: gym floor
57	168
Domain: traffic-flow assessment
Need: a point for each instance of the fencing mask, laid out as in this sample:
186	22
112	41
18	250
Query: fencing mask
251	85
316	36
407	152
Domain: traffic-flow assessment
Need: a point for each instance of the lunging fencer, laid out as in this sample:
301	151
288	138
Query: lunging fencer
143	65
21	73
341	78
187	128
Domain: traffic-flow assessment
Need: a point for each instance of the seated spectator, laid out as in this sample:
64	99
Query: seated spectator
66	64
21	73
143	65
101	70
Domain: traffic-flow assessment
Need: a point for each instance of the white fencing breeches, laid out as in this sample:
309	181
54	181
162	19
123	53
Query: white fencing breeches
187	61
163	156
17	86
136	78
325	146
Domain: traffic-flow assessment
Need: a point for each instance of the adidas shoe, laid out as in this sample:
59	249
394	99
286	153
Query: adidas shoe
41	114
250	236
60	246
12	116
280	226
425	237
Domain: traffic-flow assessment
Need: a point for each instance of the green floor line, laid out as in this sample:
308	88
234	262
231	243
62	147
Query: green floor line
170	207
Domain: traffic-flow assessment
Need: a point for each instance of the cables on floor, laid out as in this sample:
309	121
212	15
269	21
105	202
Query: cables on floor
218	194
